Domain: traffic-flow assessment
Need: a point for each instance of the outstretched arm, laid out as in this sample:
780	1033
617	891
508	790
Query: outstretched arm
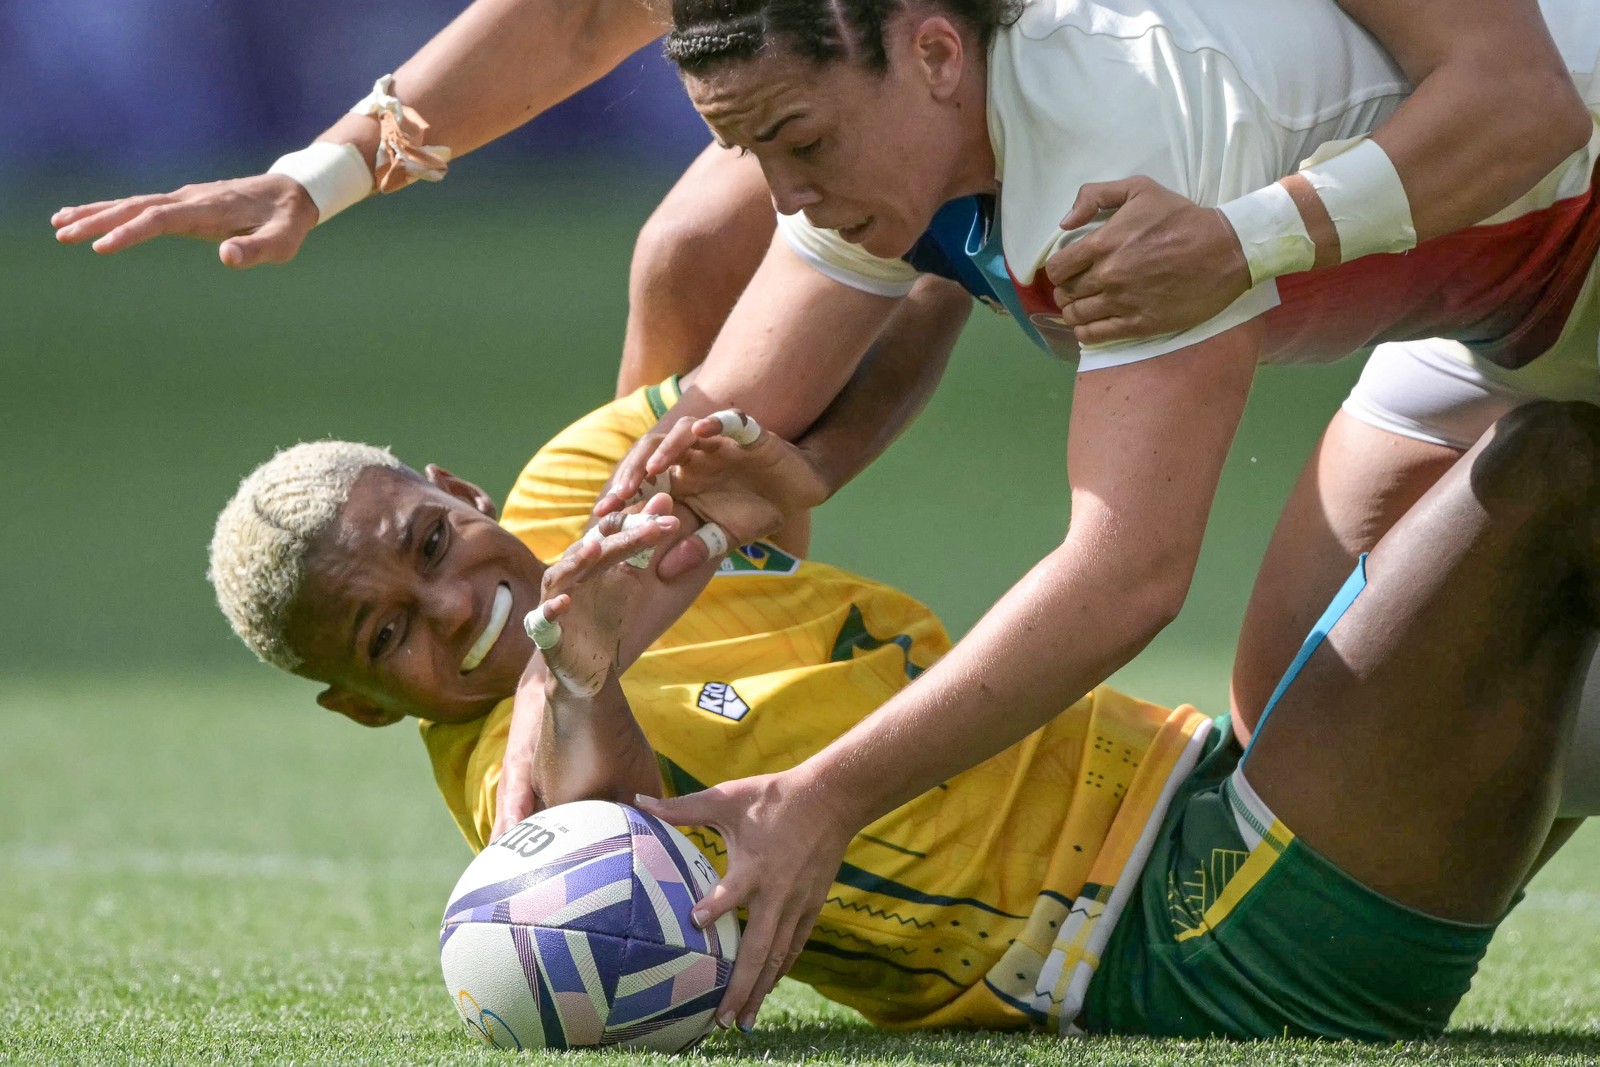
498	65
1146	449
1494	110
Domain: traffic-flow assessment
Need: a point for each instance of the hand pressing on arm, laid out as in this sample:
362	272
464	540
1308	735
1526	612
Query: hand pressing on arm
1493	111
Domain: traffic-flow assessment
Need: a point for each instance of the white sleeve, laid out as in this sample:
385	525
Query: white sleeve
1257	301
844	262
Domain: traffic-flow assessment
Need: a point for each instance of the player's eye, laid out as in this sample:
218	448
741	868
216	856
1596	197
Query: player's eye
433	544
382	640
807	150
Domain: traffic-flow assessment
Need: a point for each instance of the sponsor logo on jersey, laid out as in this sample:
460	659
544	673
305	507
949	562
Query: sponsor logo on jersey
719	699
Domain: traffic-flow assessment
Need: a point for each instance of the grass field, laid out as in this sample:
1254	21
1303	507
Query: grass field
196	865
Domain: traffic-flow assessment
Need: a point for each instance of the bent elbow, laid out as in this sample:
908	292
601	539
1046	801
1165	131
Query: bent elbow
1161	593
1564	124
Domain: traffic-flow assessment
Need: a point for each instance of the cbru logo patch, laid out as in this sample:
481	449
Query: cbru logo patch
719	699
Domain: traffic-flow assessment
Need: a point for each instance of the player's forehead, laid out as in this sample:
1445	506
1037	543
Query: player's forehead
745	102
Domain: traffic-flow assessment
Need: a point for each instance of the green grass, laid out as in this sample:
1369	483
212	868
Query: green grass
196	865
207	868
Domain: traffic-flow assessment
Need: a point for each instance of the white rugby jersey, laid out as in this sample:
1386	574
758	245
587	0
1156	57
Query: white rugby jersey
1214	100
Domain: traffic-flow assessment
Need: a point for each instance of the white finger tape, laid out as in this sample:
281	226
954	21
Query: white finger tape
737	427
714	538
546	632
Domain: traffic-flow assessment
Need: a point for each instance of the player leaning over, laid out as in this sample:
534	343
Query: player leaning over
1112	871
1492	113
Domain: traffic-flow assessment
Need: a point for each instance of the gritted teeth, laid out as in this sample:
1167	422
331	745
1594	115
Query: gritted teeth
498	614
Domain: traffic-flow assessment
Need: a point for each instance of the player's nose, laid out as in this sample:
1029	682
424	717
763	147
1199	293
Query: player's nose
790	194
451	609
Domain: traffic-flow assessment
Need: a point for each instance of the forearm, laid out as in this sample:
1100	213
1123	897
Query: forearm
892	385
503	62
788	347
1066	627
591	748
1494	110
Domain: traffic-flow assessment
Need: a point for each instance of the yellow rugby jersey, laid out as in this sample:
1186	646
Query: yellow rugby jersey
983	902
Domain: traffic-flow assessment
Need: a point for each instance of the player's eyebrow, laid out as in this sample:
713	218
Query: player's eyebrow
772	131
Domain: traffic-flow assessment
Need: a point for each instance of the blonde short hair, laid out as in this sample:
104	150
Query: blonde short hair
263	537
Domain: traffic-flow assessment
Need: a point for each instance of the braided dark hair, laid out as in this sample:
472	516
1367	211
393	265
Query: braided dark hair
708	33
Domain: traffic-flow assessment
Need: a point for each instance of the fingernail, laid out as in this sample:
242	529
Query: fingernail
700	918
640	799
666	520
748	1023
725	1020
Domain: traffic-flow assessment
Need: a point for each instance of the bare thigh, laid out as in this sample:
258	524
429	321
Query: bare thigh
1355	486
1420	747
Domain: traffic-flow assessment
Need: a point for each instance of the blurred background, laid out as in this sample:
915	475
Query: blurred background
156	784
460	323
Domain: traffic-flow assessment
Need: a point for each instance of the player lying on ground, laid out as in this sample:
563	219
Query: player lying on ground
990	899
1492	113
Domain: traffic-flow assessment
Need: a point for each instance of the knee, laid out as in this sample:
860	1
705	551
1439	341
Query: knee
1549	449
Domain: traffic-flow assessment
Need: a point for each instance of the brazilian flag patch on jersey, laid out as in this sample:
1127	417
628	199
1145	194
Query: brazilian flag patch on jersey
759	558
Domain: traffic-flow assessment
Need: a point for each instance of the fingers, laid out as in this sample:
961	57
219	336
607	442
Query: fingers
514	800
772	971
1105	331
687	555
628	479
542	624
738	427
66	216
708	543
677	441
95	220
1085	310
278	241
1096	197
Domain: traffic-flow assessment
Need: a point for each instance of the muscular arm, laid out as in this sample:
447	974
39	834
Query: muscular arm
1145	452
1493	112
503	62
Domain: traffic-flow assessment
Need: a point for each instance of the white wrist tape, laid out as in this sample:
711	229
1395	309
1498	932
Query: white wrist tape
1366	200
333	174
1271	232
546	633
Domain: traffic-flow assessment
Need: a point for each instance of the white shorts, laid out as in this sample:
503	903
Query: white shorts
1439	392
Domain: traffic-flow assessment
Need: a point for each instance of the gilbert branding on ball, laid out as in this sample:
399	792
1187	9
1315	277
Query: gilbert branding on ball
572	930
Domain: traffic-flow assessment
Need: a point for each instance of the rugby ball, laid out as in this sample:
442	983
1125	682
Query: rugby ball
572	930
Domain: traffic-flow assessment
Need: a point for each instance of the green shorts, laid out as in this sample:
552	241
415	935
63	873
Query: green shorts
1238	929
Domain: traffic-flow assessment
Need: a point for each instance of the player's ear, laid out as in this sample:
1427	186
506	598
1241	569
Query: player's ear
937	50
461	489
355	708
